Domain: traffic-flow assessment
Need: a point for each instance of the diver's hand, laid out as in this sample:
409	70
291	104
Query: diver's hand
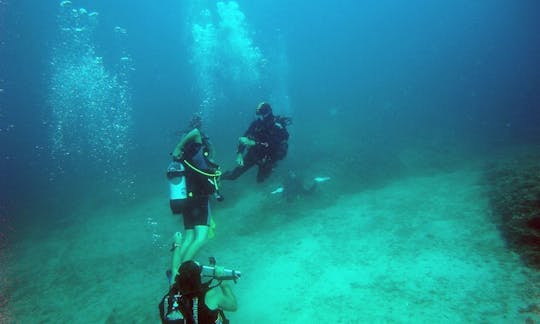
246	141
240	159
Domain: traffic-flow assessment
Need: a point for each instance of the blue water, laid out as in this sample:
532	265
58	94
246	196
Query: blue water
381	75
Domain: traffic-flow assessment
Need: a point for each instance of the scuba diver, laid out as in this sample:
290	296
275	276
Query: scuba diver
263	144
191	301
193	178
293	186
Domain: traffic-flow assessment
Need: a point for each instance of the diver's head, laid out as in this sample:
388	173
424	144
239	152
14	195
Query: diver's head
263	110
188	280
291	174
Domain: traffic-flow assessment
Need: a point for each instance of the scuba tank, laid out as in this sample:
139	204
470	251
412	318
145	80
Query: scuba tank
177	181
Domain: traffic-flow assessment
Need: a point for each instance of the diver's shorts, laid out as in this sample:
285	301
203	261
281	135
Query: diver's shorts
177	205
196	212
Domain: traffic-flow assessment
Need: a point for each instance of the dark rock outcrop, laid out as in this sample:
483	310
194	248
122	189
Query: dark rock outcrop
514	196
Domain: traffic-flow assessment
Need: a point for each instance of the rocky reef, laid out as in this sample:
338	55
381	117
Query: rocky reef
514	197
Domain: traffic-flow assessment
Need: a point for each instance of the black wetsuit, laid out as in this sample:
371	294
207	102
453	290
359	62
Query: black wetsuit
293	187
270	136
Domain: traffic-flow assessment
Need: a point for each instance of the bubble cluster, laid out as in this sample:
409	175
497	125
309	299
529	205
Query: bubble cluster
157	240
223	49
90	104
237	44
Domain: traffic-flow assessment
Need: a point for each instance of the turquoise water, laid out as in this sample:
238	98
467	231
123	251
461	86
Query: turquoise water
403	106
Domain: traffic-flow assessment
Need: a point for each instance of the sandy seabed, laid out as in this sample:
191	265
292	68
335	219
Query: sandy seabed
420	249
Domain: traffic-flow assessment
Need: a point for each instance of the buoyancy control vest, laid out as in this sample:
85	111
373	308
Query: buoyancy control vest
177	309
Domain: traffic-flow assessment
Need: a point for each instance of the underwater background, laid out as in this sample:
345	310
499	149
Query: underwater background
94	95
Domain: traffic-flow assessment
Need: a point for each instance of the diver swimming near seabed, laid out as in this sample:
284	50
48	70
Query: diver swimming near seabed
293	187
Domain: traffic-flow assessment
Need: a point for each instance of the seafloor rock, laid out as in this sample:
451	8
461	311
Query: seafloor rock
514	196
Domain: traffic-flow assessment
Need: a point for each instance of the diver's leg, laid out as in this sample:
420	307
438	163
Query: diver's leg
189	236
235	173
249	161
264	172
201	236
201	221
176	257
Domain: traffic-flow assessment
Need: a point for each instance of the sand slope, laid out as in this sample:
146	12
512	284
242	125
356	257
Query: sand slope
420	249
